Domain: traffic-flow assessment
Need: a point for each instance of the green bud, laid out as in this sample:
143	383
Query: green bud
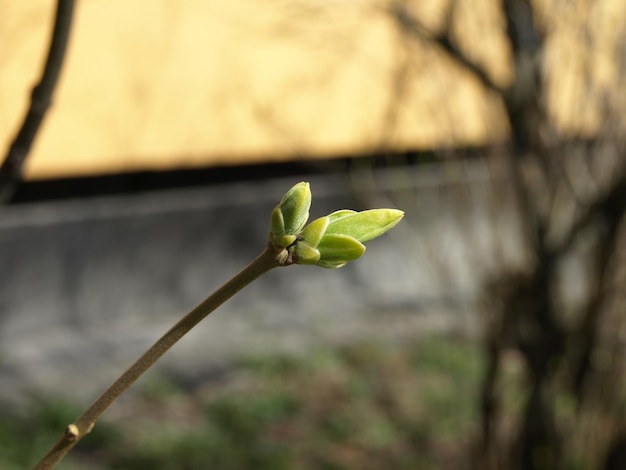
290	215
314	232
329	241
364	226
304	253
277	225
314	246
295	207
339	248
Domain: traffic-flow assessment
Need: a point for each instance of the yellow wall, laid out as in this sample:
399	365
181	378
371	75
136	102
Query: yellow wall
154	84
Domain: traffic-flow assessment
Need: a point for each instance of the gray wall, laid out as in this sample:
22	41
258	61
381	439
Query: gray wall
86	285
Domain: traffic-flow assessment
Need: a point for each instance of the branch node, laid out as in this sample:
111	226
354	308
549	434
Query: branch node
72	432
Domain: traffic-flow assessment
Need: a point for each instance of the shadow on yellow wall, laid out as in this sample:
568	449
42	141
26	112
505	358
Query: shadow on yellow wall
156	84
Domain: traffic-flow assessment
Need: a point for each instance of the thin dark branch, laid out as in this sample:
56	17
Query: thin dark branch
610	206
41	100
520	26
445	42
586	335
412	26
523	101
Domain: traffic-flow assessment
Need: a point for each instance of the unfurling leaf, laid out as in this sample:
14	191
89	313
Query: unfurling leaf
339	247
314	232
364	226
278	236
304	253
290	215
329	241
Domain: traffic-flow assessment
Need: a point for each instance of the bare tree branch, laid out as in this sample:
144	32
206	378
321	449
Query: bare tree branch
41	100
409	24
611	206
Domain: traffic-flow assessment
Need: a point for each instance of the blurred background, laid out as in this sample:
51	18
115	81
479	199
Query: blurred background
487	330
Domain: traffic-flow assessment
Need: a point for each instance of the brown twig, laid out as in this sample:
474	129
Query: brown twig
74	432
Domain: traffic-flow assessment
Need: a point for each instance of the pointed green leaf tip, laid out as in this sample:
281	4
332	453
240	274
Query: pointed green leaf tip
347	230
329	241
290	215
337	238
365	225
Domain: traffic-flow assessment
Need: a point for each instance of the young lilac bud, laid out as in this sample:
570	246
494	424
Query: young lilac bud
364	226
290	215
303	253
329	241
336	248
314	232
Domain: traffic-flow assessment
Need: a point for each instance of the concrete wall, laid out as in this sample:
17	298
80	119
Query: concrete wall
87	285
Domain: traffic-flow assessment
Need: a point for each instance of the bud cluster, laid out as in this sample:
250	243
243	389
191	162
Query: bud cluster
330	241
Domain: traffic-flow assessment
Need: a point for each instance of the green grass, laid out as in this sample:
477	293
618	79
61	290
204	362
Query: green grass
368	406
26	437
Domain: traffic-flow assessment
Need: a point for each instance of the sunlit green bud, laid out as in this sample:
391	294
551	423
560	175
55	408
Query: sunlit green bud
363	226
314	232
304	253
295	207
338	248
277	228
277	222
290	215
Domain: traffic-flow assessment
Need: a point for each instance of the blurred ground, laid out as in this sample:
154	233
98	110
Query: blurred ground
368	405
